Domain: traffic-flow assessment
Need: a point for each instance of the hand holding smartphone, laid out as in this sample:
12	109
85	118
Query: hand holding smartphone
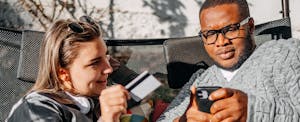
202	94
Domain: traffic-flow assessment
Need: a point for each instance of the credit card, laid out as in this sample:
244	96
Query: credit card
142	85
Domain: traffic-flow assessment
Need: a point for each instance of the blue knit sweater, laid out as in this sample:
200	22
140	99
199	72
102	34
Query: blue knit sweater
270	77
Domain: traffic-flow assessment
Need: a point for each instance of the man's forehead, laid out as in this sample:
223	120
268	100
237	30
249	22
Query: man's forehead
221	15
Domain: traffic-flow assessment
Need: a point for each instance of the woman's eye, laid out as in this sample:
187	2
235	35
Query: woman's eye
94	64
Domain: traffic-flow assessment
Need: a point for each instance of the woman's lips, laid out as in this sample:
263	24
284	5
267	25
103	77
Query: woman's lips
226	53
104	81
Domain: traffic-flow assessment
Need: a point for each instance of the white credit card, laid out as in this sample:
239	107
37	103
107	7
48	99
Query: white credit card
142	85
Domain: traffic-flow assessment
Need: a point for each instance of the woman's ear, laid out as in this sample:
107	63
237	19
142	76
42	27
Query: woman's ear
65	78
64	75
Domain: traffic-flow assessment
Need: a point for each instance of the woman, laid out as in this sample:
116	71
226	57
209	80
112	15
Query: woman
72	78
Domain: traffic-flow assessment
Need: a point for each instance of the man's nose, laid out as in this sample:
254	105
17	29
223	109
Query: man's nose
221	40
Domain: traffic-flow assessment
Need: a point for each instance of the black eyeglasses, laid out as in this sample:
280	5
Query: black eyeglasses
229	32
77	28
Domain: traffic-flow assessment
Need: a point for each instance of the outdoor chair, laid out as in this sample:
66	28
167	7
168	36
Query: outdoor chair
11	88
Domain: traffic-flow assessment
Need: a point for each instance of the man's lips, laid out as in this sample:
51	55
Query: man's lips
225	53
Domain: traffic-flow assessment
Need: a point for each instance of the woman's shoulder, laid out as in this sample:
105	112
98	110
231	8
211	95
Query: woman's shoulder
35	106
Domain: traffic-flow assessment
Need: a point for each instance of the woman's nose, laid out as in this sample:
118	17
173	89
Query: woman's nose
107	69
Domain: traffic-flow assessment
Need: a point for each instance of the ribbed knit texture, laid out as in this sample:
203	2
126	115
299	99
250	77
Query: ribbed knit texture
270	77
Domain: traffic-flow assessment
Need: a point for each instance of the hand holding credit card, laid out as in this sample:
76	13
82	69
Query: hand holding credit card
142	85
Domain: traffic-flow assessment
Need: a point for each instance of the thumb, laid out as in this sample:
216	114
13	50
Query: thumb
193	97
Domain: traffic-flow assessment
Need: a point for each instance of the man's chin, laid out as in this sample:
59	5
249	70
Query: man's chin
232	65
229	66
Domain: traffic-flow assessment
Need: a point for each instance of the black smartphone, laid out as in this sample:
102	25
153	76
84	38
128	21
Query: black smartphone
202	94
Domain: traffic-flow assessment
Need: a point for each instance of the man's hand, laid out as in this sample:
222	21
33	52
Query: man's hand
113	103
230	105
192	114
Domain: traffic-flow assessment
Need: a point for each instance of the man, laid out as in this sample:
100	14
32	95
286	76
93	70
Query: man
261	85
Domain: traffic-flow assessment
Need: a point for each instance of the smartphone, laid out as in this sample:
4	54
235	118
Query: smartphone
202	94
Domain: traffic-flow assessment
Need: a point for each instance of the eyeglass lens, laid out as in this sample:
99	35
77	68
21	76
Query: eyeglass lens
87	19
229	32
76	27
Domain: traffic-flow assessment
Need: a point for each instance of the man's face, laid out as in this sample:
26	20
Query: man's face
227	53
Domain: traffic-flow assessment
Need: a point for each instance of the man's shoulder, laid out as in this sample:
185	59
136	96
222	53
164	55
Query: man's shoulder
275	48
275	53
276	45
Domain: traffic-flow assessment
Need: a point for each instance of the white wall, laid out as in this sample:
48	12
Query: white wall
266	10
166	18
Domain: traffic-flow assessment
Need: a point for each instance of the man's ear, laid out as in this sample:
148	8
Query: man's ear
251	25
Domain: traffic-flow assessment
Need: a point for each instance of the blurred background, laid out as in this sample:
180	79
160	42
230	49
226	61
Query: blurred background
127	19
124	19
133	19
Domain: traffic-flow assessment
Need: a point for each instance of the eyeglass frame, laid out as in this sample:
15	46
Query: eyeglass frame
223	32
76	27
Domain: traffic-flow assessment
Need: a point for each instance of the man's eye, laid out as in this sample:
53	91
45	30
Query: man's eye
232	28
210	33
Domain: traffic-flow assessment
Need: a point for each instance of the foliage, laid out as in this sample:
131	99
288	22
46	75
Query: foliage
48	12
9	18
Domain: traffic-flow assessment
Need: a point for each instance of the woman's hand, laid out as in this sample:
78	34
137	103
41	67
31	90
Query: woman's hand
113	103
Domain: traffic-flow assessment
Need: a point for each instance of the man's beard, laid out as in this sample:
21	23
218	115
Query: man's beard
243	57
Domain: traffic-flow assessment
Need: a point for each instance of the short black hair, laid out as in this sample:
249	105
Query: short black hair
242	5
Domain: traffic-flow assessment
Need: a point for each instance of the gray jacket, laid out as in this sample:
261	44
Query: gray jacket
270	77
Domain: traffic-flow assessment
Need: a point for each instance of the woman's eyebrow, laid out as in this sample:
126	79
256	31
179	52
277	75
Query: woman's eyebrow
95	59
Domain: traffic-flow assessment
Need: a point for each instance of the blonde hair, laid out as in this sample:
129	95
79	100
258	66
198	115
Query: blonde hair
58	50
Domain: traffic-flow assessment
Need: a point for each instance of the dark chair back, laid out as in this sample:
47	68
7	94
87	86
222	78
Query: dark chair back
184	56
11	88
279	29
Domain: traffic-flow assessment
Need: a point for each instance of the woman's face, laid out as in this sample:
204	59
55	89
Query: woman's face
89	70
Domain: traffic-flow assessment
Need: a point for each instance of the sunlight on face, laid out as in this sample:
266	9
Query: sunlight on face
228	54
90	69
